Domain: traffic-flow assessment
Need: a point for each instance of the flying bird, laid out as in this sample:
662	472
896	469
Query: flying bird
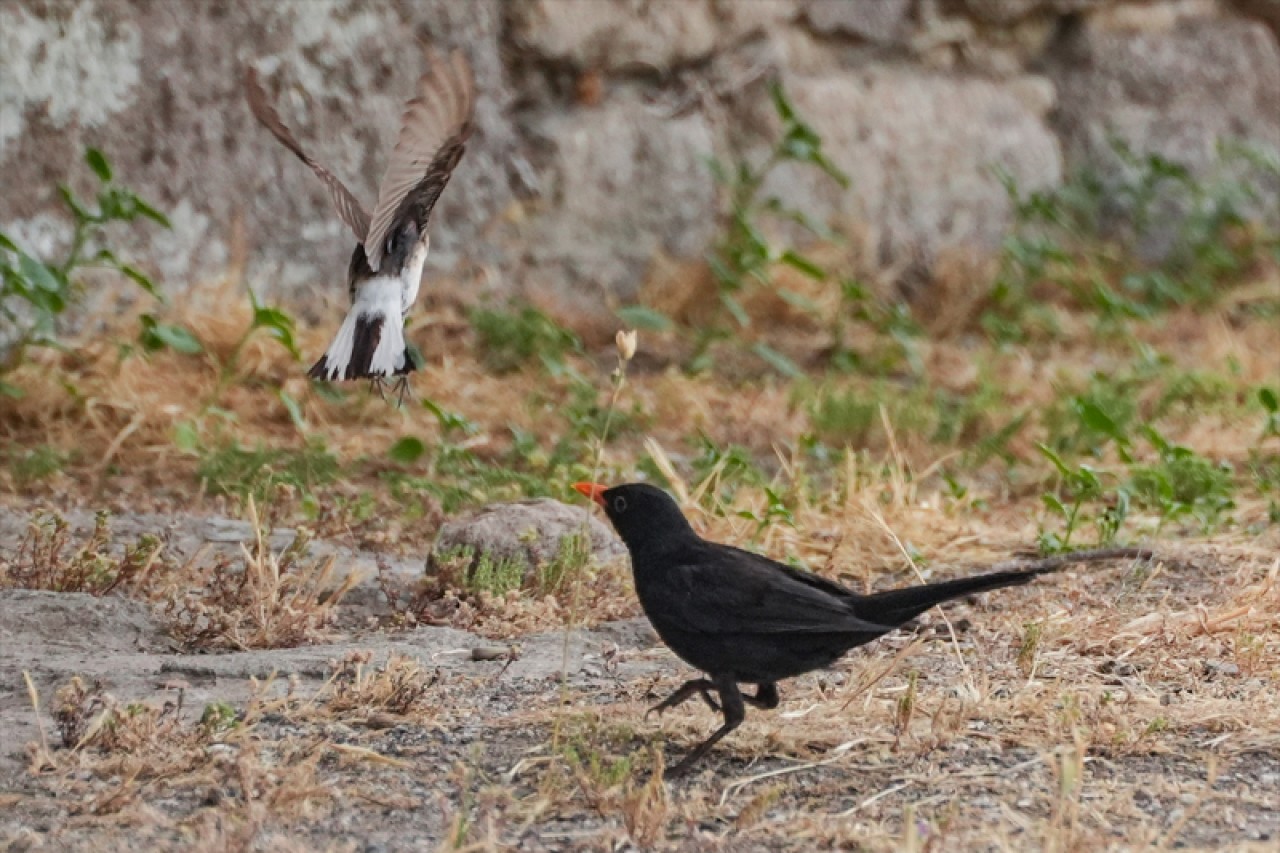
743	618
392	243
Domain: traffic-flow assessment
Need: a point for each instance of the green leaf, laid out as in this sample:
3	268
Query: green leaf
7	390
6	243
1054	505
799	300
151	213
449	421
407	450
1268	399
278	324
799	262
295	411
39	275
1047	453
643	317
781	103
156	336
186	437
78	210
833	171
1093	417
98	162
141	278
777	361
736	310
117	204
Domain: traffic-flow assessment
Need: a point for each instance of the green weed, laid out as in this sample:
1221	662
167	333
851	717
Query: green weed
510	339
1183	483
258	472
35	293
573	556
36	464
46	558
496	575
1079	488
1151	237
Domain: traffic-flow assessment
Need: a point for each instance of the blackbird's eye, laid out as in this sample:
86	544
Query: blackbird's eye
619	504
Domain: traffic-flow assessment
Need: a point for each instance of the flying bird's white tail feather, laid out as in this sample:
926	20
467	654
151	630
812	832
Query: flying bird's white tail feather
370	343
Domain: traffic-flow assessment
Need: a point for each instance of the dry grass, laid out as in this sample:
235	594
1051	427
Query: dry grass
1126	706
46	558
268	601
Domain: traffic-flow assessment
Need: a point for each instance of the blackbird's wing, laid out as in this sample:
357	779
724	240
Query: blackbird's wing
436	126
349	208
724	590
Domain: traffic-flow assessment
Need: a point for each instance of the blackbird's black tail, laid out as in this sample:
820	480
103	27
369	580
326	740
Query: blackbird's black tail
897	606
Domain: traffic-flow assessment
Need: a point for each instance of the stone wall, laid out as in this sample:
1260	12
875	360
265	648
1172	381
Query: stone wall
597	118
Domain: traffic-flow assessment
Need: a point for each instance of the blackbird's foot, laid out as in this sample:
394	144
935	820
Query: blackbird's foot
700	686
734	713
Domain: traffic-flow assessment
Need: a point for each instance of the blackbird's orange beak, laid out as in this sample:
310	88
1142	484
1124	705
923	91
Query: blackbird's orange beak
595	491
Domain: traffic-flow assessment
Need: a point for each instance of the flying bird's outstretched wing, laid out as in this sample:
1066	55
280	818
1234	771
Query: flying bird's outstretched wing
432	139
348	207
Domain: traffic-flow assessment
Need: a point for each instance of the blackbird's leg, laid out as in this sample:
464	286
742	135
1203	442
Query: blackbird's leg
766	696
734	713
686	691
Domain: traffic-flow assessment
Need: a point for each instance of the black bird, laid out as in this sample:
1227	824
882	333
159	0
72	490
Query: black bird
743	618
386	266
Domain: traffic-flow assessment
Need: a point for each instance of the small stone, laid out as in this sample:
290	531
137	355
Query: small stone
1217	667
491	652
533	532
876	21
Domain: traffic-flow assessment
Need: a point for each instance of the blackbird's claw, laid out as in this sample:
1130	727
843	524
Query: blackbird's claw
734	714
700	686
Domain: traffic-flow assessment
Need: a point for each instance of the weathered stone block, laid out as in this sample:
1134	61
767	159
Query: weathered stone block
1176	90
921	151
621	183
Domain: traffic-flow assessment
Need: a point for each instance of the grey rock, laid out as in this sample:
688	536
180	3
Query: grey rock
1010	11
1218	667
621	184
532	532
229	530
878	21
52	619
1177	91
921	151
737	19
1267	11
616	35
629	634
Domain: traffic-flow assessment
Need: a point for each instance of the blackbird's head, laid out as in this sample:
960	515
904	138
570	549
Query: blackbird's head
646	517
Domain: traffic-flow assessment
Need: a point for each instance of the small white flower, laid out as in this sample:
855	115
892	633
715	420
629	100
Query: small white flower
626	341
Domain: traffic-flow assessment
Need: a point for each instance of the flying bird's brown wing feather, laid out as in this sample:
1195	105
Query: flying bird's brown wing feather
432	139
349	208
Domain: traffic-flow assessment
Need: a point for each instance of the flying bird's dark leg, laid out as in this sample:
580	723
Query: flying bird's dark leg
735	712
766	697
376	384
685	692
402	390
